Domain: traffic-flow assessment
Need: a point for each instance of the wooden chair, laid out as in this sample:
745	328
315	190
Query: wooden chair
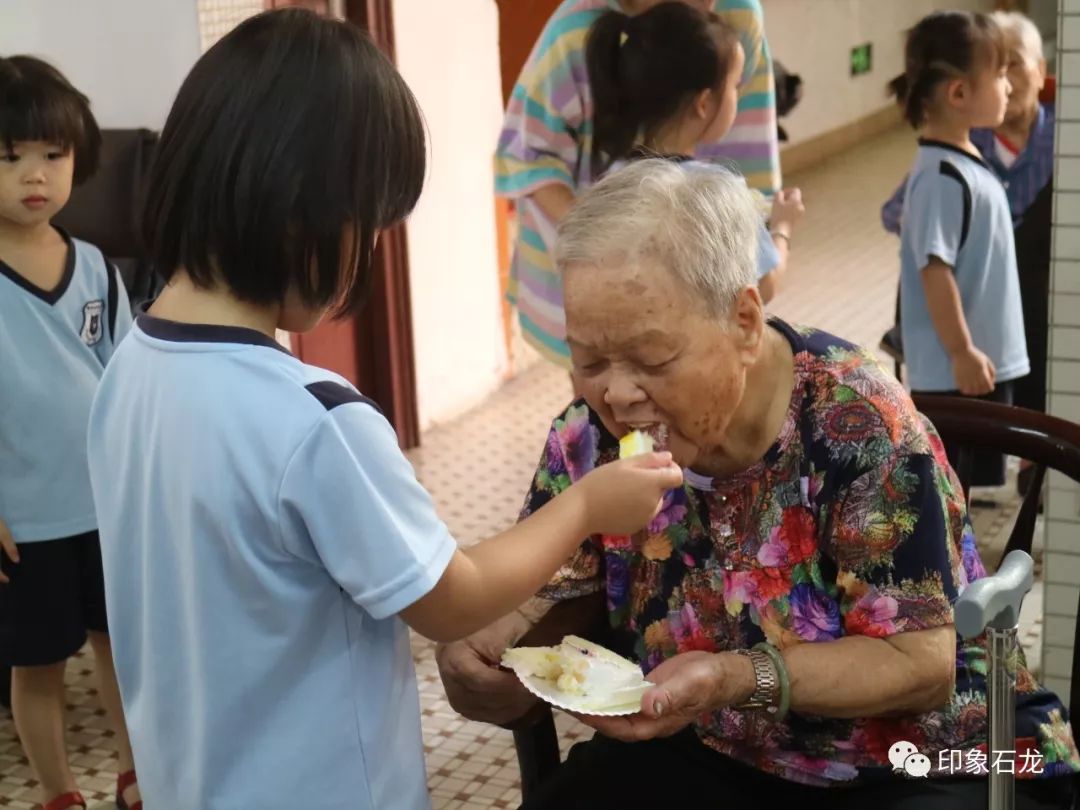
1049	442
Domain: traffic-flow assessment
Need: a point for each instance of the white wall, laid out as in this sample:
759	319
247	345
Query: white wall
128	56
448	53
1062	564
814	40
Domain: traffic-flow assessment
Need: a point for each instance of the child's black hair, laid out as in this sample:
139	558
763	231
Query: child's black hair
38	104
944	45
644	69
291	144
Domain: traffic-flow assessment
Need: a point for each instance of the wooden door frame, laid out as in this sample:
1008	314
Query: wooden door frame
374	347
387	330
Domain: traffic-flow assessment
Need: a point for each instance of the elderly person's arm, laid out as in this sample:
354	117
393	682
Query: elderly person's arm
908	674
893	208
905	674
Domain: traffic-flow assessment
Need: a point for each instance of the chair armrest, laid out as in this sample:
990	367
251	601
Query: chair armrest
585	616
535	737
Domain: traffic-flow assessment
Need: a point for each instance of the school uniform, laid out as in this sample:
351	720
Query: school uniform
260	531
956	210
54	345
1027	175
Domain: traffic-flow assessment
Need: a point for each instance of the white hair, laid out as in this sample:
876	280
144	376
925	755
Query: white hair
1020	26
700	221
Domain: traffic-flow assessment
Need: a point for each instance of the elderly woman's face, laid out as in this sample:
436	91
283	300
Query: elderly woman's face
646	352
1027	74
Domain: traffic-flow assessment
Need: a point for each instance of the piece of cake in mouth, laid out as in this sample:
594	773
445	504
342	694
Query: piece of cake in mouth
646	439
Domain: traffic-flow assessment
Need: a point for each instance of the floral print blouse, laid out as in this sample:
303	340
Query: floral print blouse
852	524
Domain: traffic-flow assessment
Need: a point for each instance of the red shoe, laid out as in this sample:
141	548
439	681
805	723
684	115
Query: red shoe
123	782
64	801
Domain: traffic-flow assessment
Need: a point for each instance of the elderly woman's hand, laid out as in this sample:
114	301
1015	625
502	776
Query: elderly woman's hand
475	685
687	686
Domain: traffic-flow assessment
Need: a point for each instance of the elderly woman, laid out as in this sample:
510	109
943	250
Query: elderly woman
792	603
544	153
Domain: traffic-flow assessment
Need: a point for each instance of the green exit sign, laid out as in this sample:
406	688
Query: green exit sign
862	59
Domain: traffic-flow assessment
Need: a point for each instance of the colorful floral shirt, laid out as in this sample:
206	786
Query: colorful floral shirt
852	524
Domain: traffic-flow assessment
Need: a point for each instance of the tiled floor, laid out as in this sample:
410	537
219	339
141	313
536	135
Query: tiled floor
843	279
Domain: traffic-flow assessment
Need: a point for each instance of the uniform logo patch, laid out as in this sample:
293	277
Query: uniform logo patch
92	322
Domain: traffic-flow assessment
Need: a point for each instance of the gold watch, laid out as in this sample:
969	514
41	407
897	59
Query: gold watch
767	683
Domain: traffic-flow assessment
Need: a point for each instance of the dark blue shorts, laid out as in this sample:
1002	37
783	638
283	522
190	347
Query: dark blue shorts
56	595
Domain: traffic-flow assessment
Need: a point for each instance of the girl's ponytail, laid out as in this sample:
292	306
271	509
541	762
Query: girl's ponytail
615	126
645	70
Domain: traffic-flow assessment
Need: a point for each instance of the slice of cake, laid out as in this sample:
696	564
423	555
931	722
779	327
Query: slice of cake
644	440
578	667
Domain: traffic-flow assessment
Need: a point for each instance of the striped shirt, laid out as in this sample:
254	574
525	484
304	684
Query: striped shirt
1023	180
547	139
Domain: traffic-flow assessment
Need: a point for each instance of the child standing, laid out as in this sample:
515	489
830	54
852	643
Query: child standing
262	531
665	82
63	310
961	312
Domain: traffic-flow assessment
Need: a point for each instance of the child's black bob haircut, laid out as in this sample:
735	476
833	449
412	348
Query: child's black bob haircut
38	104
291	144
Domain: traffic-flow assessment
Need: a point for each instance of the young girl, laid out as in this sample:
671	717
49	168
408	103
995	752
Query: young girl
665	82
262	532
960	297
543	157
63	310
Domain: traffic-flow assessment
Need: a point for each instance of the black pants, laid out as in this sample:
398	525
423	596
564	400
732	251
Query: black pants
681	772
976	467
1032	239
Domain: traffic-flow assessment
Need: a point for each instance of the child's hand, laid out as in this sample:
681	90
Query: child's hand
787	210
7	545
973	371
623	496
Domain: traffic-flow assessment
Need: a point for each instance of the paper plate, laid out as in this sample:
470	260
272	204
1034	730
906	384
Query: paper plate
629	702
622	698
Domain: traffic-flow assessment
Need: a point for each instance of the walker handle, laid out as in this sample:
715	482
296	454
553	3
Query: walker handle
995	601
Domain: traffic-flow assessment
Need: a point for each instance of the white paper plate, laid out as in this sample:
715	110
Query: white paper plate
626	701
618	700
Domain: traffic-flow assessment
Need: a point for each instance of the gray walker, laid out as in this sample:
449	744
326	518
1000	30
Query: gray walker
993	604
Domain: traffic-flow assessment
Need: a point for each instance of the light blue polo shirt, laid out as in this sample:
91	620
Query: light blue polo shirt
260	529
54	345
956	209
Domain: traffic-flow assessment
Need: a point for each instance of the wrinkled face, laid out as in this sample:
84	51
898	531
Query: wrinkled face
645	351
1027	74
35	181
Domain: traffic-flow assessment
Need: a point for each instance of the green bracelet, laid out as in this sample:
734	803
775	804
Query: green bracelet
782	675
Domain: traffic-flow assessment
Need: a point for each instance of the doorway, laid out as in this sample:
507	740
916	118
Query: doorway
373	348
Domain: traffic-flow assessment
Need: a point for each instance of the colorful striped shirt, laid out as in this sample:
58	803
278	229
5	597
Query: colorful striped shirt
1023	180
547	139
